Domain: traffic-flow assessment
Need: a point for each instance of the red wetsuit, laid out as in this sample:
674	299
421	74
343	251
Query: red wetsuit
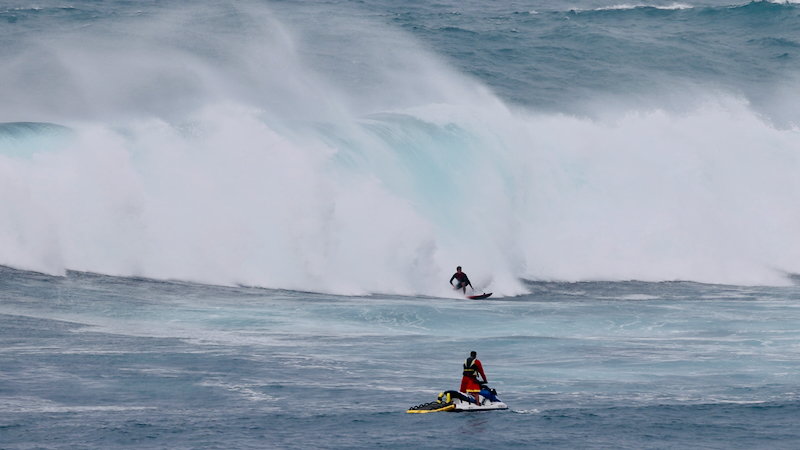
469	382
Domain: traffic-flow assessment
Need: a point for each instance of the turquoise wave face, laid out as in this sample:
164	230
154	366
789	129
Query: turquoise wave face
23	139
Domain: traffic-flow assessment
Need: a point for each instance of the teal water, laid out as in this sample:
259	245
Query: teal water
229	224
102	362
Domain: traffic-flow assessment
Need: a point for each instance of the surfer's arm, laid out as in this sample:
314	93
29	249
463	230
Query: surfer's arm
451	279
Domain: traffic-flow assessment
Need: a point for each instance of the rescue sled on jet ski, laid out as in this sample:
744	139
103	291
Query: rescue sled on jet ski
459	401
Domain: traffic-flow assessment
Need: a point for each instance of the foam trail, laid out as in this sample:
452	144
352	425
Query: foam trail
267	171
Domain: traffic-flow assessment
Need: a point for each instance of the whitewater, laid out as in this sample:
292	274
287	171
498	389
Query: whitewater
222	216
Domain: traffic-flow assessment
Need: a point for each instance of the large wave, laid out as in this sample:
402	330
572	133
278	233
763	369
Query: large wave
222	147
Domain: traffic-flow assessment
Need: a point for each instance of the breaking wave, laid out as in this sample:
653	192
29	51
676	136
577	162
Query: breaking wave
243	158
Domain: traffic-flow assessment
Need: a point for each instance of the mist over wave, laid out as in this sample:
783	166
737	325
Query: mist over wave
222	145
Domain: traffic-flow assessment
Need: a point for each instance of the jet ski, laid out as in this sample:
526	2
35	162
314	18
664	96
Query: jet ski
459	401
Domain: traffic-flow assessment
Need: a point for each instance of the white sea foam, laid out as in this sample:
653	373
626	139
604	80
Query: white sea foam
625	6
266	172
27	405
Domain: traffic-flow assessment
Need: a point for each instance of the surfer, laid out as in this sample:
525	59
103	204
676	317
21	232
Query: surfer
463	280
469	381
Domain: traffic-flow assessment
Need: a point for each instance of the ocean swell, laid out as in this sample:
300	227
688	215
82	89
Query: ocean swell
270	171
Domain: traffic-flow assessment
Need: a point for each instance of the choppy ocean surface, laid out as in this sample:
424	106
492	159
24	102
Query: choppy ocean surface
91	361
229	224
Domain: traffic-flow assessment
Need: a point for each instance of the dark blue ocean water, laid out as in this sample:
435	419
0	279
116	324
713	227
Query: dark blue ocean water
92	361
552	56
230	224
567	57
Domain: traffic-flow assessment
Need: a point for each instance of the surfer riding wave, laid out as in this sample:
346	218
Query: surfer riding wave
462	280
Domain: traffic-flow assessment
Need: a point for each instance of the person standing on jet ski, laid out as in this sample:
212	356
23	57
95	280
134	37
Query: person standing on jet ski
463	280
469	381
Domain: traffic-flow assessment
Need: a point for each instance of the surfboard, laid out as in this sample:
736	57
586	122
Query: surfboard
478	297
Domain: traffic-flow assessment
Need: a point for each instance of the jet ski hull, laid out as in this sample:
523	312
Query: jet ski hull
460	402
486	405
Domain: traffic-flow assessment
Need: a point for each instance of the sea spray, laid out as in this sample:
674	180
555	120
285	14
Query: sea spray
392	200
241	157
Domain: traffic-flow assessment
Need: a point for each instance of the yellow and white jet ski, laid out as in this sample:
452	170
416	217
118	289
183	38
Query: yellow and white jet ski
460	401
